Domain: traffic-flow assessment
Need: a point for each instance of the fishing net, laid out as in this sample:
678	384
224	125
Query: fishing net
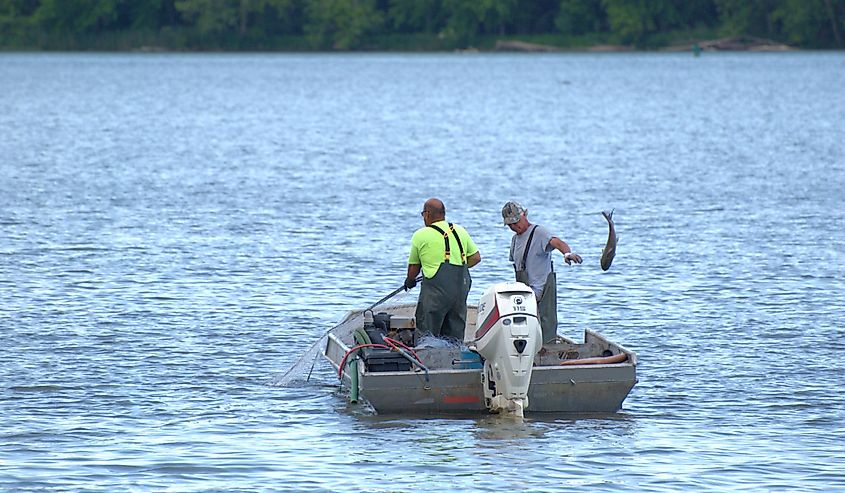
300	372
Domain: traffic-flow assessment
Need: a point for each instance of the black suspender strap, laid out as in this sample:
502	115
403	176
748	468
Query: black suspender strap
446	241
460	246
527	246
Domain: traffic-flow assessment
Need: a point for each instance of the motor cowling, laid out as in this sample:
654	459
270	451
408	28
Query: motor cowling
508	336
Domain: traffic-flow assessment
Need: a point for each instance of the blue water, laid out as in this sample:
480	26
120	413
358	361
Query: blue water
176	230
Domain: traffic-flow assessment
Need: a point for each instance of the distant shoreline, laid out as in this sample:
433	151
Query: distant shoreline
131	42
734	43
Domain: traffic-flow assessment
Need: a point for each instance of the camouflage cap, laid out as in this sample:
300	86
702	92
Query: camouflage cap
512	211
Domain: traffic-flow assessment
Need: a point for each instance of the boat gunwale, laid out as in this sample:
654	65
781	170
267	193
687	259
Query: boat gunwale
588	334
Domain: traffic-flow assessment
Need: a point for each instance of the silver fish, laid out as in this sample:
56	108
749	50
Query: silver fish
609	250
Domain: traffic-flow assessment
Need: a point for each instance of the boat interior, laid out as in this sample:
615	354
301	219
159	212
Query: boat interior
440	354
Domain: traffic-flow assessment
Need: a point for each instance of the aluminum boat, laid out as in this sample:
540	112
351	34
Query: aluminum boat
380	359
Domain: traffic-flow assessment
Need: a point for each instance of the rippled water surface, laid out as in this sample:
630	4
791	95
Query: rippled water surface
177	230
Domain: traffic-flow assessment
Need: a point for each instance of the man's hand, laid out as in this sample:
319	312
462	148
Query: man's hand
570	257
410	283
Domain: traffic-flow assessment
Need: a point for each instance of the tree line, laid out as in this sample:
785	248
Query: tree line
408	24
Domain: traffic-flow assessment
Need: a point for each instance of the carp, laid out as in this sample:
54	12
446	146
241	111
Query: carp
609	250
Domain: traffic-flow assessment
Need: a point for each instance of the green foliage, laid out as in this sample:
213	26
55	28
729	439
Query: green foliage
59	16
533	16
142	15
341	24
463	23
469	18
741	17
634	20
415	16
391	24
805	22
577	17
17	8
408	42
228	16
494	14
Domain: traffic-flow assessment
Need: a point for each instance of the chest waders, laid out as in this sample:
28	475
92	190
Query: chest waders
442	305
547	304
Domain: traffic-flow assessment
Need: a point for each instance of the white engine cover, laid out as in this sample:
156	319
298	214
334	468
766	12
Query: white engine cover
508	337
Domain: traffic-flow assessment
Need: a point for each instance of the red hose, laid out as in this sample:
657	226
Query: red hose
395	343
394	346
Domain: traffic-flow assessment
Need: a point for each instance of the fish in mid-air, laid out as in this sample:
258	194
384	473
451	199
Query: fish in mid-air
609	250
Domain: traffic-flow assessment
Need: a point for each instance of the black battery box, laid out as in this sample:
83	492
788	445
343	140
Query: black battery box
381	360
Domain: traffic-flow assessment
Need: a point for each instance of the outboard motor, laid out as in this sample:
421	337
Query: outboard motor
508	337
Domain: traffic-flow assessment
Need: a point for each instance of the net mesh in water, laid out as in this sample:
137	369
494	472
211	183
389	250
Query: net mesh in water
300	372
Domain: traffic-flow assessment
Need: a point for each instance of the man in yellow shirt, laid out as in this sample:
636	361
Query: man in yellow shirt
444	252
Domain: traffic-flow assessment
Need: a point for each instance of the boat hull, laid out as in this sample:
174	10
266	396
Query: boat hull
579	389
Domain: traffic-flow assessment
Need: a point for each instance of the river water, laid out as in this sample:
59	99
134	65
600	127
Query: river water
178	230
